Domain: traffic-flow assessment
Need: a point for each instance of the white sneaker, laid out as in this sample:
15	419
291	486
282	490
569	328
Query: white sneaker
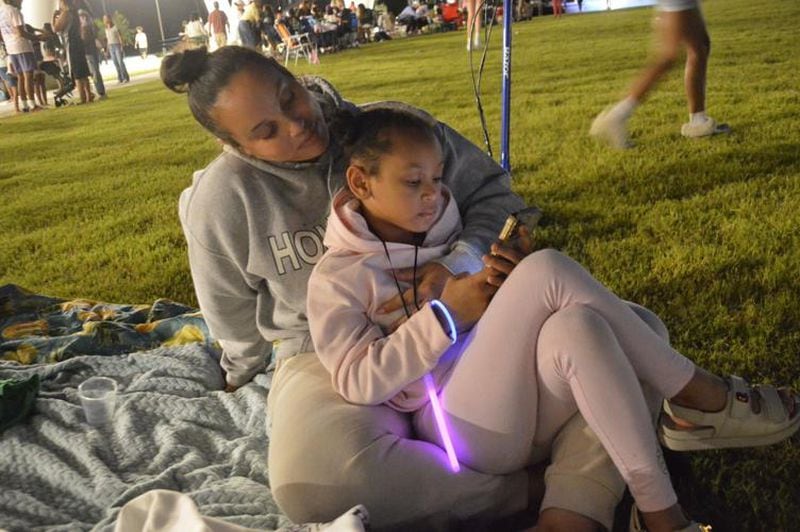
610	128
474	43
704	129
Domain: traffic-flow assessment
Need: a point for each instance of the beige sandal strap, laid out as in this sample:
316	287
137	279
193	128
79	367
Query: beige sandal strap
771	403
740	401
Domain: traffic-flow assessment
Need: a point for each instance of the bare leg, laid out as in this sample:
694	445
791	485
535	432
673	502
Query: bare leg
41	92
23	82
698	47
13	95
473	24
670	35
611	125
83	89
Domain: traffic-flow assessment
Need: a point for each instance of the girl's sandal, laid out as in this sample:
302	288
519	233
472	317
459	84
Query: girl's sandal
636	524
736	425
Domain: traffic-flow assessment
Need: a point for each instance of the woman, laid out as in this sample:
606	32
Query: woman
114	40
68	23
254	221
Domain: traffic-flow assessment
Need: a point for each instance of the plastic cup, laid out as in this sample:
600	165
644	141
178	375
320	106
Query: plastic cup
98	398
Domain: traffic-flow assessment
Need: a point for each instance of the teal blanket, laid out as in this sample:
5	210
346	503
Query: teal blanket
36	329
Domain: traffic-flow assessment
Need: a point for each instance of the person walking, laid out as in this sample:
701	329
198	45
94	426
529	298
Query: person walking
140	42
218	21
680	24
115	50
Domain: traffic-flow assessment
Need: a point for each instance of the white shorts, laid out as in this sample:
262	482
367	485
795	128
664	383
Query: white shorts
677	5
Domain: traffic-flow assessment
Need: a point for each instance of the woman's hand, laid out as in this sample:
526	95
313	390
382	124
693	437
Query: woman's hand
431	279
504	257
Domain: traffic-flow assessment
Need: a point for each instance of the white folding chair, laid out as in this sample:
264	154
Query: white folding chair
297	45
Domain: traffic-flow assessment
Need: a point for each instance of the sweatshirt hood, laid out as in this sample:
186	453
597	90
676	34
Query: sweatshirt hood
348	230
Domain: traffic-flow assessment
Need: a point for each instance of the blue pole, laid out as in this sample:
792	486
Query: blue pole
505	119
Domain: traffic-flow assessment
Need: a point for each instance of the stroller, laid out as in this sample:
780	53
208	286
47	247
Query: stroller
64	94
65	83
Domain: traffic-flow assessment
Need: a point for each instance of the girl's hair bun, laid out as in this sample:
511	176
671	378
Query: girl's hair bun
181	69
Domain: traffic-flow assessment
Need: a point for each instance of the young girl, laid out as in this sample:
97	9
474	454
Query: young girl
513	364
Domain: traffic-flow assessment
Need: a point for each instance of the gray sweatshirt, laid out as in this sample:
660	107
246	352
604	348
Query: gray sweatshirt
254	231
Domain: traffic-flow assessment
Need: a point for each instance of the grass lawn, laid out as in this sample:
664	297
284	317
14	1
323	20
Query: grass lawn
703	232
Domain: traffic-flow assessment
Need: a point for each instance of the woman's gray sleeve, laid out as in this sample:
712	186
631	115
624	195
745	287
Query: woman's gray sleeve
482	190
230	308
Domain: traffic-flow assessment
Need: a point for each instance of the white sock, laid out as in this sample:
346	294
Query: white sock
625	108
32	103
698	118
25	104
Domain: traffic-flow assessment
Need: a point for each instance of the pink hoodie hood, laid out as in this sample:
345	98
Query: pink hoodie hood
348	231
348	285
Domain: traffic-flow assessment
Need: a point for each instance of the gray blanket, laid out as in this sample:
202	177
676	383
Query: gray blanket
173	429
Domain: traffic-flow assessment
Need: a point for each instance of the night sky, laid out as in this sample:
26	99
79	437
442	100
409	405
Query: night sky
143	13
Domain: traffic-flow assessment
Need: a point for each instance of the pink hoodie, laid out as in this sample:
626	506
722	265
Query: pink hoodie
352	279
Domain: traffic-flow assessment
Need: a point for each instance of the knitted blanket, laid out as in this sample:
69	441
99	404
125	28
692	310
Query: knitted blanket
174	428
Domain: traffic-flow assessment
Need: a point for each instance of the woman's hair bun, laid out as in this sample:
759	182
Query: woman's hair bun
181	69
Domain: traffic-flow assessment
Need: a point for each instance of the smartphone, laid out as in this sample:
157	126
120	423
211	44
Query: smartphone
528	217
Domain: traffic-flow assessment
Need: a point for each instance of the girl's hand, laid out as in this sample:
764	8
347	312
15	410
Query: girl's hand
466	297
431	279
504	257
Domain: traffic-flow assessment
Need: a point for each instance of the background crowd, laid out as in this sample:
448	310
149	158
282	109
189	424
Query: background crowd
327	27
66	53
69	50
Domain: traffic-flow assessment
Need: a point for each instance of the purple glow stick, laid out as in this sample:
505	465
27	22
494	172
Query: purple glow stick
438	414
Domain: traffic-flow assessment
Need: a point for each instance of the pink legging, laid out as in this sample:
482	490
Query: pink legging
555	341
